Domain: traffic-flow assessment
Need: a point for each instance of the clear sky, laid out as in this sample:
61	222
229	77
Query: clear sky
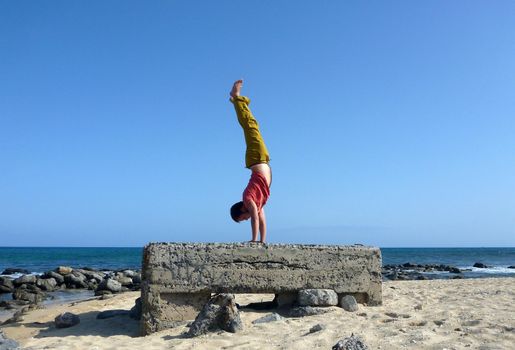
390	123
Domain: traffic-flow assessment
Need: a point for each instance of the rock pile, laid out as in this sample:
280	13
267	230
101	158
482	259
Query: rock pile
410	271
30	289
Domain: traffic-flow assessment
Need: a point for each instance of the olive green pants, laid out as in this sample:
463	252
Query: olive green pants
256	149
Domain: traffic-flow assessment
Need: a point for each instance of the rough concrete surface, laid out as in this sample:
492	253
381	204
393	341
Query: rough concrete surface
178	278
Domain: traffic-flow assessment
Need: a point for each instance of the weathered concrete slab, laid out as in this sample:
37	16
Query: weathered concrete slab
178	278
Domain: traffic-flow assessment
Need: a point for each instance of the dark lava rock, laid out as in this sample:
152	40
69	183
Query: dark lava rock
316	328
66	320
219	313
350	343
135	312
75	279
11	271
302	311
453	269
111	313
480	265
6	285
511	267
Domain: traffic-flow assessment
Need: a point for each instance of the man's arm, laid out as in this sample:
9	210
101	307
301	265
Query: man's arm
262	225
254	218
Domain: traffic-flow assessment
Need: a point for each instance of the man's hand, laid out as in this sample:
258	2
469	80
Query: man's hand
254	218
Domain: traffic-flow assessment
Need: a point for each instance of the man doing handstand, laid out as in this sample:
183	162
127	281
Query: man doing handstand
256	159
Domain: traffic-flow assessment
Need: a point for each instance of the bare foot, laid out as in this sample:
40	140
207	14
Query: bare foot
235	91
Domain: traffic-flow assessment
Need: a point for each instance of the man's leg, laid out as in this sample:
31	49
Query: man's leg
256	149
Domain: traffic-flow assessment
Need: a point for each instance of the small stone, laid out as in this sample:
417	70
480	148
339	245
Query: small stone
269	318
418	307
111	313
348	303
66	320
317	297
316	328
350	343
480	265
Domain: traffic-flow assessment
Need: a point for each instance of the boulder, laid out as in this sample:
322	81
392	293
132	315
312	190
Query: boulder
124	281
269	318
25	279
136	279
302	311
135	312
66	320
32	297
283	300
91	275
64	270
219	313
348	303
350	343
511	267
480	265
110	285
111	313
129	273
13	270
52	274
453	269
75	280
47	284
6	285
317	297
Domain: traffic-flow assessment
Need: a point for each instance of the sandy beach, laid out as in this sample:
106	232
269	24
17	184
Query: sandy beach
434	314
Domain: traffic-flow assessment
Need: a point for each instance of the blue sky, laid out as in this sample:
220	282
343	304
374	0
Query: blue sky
389	123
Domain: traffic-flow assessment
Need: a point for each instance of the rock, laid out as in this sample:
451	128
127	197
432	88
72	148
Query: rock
511	267
480	265
110	285
285	299
135	312
6	343
52	274
129	273
453	269
348	303
64	270
12	271
47	284
458	277
6	285
269	318
66	320
317	297
75	279
302	311
30	296
91	275
111	313
219	313
13	304
25	279
124	281
350	343
136	279
316	328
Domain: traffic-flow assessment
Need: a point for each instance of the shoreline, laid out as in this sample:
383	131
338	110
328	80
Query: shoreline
425	314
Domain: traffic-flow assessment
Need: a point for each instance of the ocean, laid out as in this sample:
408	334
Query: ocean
41	259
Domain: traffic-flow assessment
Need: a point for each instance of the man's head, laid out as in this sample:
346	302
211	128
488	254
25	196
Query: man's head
239	212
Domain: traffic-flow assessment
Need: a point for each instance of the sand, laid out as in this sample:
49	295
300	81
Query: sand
436	314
